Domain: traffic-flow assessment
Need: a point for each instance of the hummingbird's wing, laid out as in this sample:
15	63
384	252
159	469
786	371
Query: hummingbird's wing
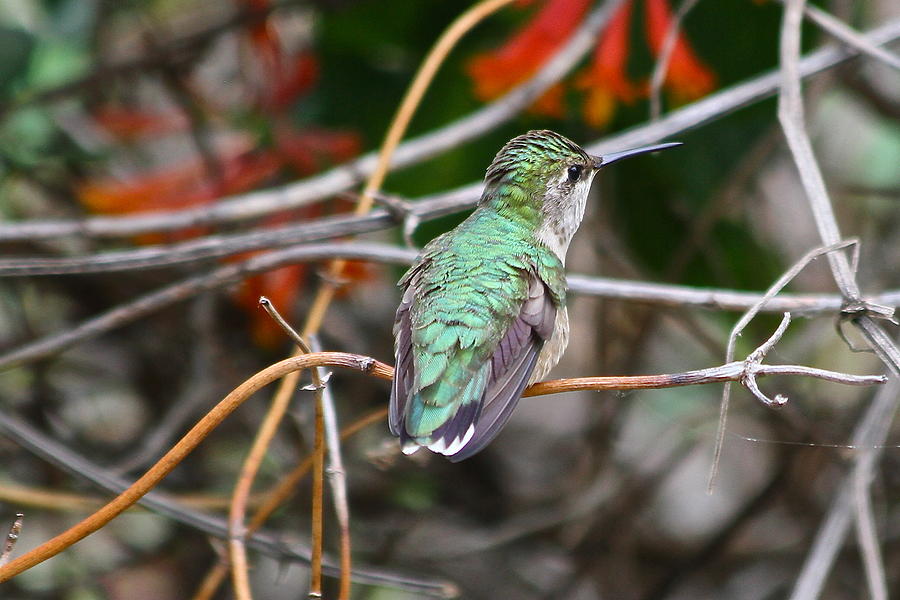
453	391
511	365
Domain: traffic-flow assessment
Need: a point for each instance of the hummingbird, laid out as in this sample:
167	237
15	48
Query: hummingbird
483	310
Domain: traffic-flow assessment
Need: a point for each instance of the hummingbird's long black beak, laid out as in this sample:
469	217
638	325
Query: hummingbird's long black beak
606	159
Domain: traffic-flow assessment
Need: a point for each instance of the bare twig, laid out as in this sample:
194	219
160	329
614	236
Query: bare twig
318	386
416	150
236	529
336	474
661	69
317	512
791	117
733	372
12	537
745	319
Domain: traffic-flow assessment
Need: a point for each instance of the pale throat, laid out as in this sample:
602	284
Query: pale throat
562	214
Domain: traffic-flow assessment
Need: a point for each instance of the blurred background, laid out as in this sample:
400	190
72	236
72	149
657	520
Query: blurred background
158	106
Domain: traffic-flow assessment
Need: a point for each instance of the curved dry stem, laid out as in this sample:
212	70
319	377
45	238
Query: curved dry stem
236	530
184	446
274	498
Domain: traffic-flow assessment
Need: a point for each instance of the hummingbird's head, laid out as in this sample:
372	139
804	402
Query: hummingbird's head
543	179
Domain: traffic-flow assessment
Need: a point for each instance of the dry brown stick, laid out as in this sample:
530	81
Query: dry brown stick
283	395
275	498
736	371
236	530
317	510
336	473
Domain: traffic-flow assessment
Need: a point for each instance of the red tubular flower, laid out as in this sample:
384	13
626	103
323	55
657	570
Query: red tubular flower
494	73
688	78
606	80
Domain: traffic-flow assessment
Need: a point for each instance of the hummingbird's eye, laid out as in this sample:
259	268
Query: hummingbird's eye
575	173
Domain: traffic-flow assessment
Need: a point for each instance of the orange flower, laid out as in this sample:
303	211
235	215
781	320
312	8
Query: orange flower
688	78
606	80
495	73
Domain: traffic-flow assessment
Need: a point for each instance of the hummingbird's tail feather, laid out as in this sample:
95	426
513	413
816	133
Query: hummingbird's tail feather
500	400
445	428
